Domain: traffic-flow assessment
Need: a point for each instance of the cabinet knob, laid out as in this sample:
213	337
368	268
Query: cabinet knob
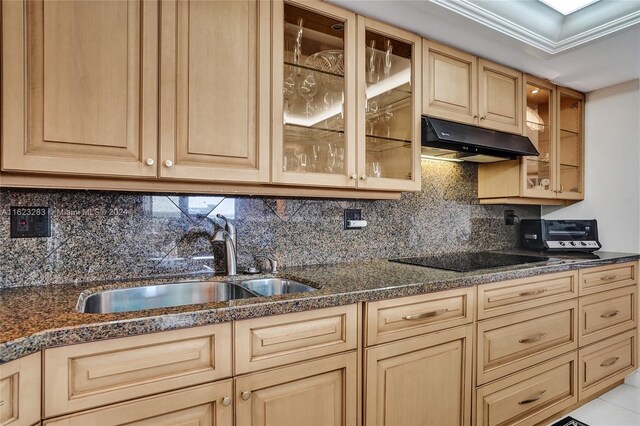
149	161
363	177
245	395
168	163
354	176
226	401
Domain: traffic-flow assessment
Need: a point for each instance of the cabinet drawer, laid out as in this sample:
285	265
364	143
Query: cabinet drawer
594	280
515	295
604	363
20	391
89	375
199	405
513	342
283	339
530	396
394	319
604	314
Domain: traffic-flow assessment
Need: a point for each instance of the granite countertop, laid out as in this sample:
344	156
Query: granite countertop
34	318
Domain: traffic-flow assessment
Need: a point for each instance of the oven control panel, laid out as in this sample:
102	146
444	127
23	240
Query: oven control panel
572	245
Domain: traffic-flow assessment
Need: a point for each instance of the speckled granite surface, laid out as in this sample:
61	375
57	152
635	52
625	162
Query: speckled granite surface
33	318
110	235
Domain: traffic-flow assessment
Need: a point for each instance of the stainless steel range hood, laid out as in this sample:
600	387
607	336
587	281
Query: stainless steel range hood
446	140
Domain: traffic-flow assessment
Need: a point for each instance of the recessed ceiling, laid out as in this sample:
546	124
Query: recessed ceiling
567	7
594	47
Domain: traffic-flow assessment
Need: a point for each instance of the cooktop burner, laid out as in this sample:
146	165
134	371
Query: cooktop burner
465	262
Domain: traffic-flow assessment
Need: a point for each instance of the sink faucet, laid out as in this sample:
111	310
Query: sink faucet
224	236
272	261
231	230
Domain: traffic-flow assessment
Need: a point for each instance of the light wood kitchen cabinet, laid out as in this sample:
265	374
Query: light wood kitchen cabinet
320	392
554	122
79	87
422	380
530	396
608	277
106	372
206	405
214	109
605	314
460	87
20	385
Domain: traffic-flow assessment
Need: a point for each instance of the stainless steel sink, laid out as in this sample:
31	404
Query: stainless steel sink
275	286
162	296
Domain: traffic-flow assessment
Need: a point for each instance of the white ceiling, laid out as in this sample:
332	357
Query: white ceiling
595	47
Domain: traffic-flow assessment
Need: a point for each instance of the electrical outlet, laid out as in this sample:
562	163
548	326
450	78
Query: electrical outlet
30	222
351	214
509	216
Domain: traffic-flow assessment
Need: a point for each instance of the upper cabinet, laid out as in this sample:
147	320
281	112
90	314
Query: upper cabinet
461	87
214	95
333	126
79	87
554	122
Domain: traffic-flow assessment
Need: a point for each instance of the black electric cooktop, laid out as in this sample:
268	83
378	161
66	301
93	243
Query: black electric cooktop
465	262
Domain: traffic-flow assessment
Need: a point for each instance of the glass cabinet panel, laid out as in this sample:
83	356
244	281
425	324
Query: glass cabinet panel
539	171
570	153
314	146
388	112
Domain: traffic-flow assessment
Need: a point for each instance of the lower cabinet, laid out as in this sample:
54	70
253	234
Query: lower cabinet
321	392
206	405
20	391
424	380
530	396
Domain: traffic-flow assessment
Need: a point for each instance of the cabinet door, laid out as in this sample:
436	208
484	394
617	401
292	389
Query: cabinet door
20	385
314	393
207	405
214	110
313	89
539	173
449	81
423	380
500	97
389	95
570	136
79	85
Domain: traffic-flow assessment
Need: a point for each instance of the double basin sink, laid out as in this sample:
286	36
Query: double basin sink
185	293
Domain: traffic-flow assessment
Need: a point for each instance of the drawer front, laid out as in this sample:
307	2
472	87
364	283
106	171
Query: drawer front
604	314
283	339
530	396
606	362
199	405
20	391
89	375
594	280
513	342
389	320
515	295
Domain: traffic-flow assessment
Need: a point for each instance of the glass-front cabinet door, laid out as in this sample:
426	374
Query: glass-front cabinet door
313	91
570	165
388	107
539	173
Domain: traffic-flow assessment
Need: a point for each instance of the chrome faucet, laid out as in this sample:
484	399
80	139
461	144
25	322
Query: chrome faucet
231	230
232	261
272	261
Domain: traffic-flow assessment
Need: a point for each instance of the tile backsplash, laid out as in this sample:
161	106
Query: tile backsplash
110	235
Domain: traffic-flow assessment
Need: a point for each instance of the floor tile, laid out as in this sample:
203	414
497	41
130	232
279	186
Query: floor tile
603	413
633	379
625	396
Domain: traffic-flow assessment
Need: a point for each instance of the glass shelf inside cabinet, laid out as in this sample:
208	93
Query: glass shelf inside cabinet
388	107
313	92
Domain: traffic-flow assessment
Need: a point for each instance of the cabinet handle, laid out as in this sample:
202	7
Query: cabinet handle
1	403
610	314
226	401
475	116
530	400
168	163
354	176
363	177
561	188
149	161
609	277
484	117
532	292
425	314
245	395
532	339
609	362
